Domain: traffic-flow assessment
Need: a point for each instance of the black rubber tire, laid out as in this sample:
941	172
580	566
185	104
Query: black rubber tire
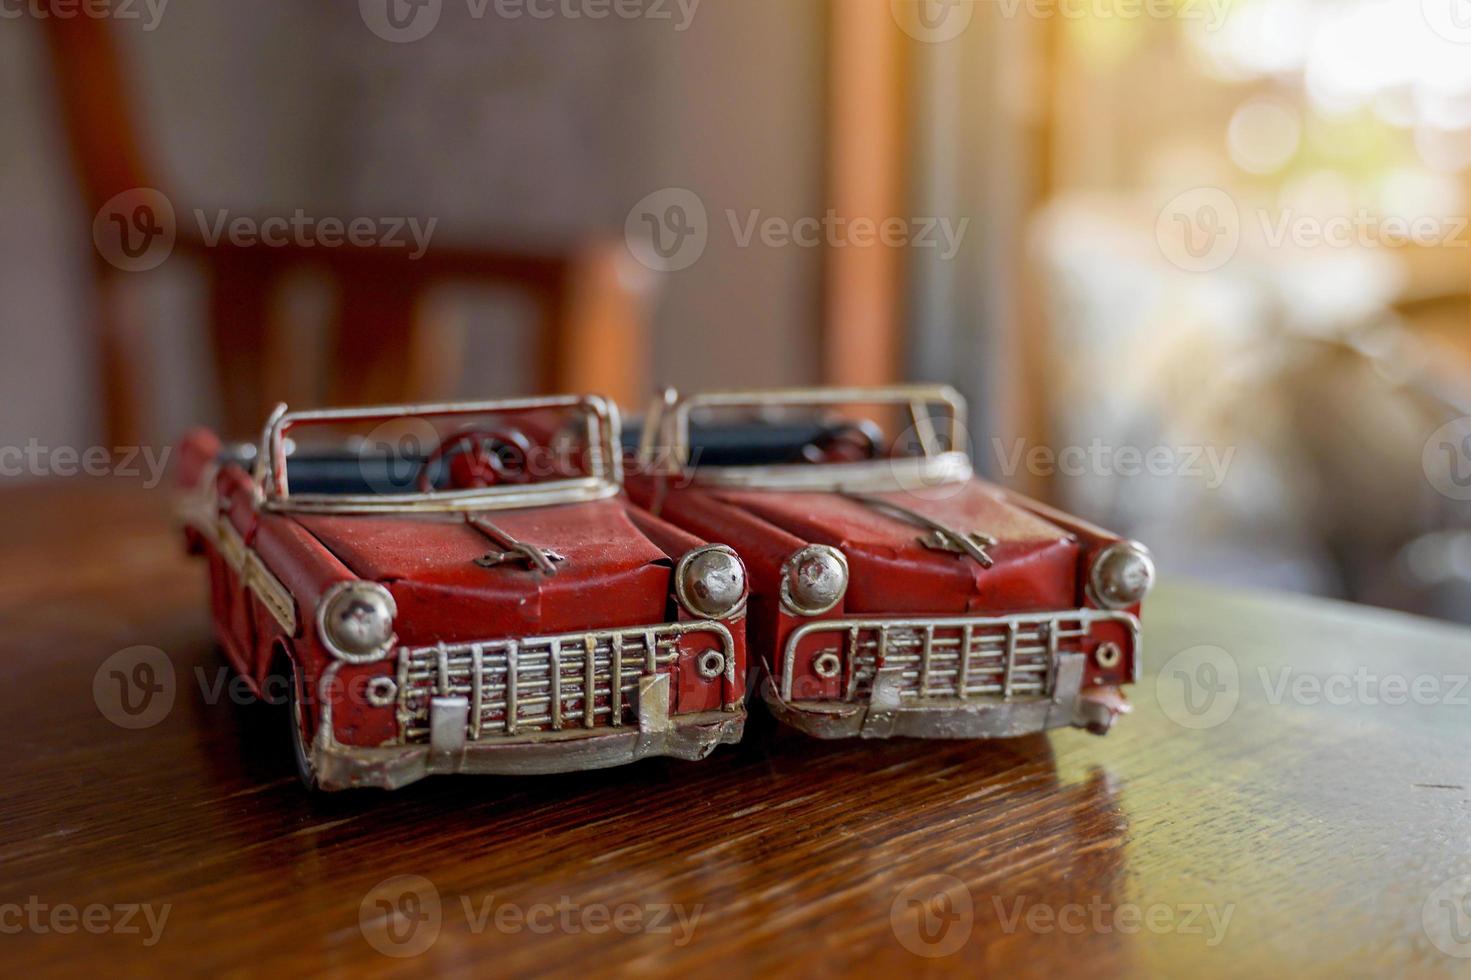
304	770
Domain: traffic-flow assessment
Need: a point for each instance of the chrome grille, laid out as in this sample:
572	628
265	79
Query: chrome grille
975	657
551	683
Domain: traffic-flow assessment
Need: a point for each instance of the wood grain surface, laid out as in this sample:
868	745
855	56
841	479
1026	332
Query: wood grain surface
1273	804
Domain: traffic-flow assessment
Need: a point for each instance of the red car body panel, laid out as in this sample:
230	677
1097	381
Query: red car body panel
612	576
270	570
891	572
1036	585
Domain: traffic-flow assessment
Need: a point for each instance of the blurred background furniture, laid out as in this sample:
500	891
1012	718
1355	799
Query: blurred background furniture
591	301
1071	150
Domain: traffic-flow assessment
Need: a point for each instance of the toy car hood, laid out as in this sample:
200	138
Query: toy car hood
453	580
897	563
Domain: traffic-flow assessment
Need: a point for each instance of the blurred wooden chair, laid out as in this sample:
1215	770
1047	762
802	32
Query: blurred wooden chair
592	301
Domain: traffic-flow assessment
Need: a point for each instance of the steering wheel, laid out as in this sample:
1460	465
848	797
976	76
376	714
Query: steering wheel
845	442
477	458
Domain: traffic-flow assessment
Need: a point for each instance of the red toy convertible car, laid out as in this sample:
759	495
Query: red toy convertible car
482	601
892	592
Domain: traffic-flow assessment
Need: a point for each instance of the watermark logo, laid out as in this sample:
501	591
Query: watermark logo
134	688
401	916
1199	230
1447	459
1446	917
392	457
933	916
400	21
1451	19
910	471
668	230
135	230
1199	688
933	21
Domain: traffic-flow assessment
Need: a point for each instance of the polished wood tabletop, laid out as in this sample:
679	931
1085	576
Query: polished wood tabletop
1291	793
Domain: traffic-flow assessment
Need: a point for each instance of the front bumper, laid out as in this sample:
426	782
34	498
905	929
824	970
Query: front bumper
995	677
691	737
949	717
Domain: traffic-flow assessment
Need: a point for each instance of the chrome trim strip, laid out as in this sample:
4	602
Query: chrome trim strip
513	679
254	575
875	476
967	625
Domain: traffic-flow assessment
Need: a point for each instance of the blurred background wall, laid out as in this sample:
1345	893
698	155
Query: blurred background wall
534	133
1200	266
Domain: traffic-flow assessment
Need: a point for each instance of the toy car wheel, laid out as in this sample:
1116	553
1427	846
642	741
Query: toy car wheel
295	719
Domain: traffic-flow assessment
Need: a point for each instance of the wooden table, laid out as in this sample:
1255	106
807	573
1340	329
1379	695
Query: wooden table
1321	833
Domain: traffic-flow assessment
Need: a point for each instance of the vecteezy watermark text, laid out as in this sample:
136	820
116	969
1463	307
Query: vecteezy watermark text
1201	687
1101	916
934	916
137	229
1201	229
1212	12
402	916
1364	687
938	21
148	11
64	918
670	229
835	231
681	13
34	459
404	21
1206	463
305	231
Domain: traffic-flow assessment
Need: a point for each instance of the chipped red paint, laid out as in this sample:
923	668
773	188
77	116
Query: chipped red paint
617	572
1041	560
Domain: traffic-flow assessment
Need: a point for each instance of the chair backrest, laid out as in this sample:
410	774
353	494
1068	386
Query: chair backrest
96	110
592	305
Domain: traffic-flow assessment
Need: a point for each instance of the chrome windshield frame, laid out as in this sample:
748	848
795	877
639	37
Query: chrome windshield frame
664	445
603	480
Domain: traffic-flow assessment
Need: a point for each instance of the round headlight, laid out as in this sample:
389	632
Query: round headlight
711	582
1122	575
814	579
355	621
